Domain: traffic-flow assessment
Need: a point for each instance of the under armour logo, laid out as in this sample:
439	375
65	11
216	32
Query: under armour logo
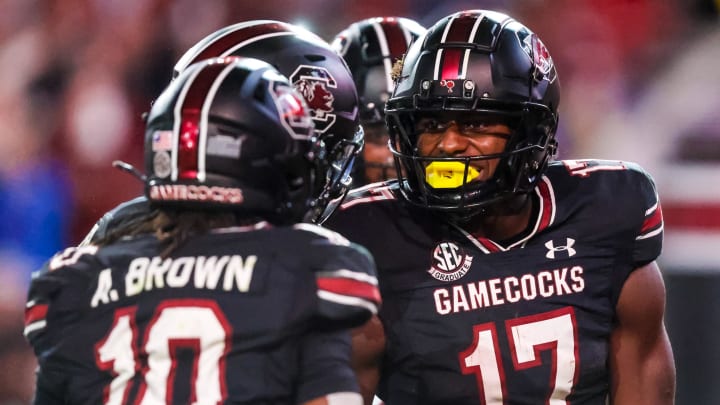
567	248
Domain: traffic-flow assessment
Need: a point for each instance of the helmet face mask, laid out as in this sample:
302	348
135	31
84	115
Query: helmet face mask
316	72
475	66
339	176
232	133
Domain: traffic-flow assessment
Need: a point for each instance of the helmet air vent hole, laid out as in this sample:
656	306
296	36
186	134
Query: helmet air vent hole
315	58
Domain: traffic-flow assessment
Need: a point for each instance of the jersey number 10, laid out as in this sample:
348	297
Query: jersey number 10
198	325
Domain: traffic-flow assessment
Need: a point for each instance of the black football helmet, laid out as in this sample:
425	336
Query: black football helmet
315	70
232	133
476	63
371	47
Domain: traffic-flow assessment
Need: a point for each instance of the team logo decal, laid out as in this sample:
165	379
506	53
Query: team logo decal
227	146
162	164
450	262
449	84
161	146
162	140
536	50
553	250
315	84
292	110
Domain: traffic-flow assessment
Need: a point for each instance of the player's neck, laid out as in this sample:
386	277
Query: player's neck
503	221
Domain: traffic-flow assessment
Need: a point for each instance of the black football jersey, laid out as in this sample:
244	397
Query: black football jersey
244	315
470	320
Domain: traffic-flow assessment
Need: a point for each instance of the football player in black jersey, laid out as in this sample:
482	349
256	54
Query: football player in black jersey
533	283
371	47
314	68
507	277
221	292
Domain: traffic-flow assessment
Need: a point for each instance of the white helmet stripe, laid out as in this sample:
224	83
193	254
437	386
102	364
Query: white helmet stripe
232	50
455	31
407	34
463	73
197	95
385	51
202	136
177	121
438	55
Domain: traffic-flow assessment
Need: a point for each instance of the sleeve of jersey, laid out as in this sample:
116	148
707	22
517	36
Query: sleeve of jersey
648	242
43	288
119	215
347	286
54	302
50	376
325	365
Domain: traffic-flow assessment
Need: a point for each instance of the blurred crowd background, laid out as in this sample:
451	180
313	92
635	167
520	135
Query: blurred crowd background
640	82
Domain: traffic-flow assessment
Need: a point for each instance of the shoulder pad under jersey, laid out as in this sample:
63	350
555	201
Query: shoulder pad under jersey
127	211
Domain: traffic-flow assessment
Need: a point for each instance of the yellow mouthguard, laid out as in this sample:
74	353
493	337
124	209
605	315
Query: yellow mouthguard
448	174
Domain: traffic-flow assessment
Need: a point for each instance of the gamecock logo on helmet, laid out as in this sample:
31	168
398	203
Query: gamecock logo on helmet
292	110
538	52
314	83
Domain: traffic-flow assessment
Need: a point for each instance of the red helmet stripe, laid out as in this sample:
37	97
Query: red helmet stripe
393	45
453	60
461	28
395	37
451	63
191	121
240	36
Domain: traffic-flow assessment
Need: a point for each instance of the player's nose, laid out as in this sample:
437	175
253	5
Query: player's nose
453	141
